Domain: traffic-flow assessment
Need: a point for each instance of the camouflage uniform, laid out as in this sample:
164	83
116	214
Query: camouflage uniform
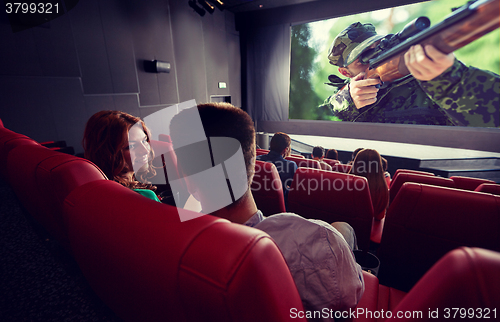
462	95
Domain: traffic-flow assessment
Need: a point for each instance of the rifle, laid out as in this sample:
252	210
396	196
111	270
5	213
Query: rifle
466	24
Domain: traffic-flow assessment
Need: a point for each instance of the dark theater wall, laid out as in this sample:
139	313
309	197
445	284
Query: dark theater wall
53	77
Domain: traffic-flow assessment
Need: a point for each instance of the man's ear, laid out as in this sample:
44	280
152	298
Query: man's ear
345	72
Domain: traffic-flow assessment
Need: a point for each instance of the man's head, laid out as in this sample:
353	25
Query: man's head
280	143
355	153
349	44
332	154
318	152
220	121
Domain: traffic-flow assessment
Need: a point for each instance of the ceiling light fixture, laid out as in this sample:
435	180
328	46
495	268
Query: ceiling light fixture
208	7
199	10
218	3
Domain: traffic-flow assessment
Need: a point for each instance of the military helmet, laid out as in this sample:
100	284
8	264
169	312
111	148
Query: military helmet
351	42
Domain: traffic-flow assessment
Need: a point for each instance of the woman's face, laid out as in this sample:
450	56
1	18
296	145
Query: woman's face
138	151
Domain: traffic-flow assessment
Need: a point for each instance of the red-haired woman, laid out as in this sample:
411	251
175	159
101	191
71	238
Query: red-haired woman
368	164
119	144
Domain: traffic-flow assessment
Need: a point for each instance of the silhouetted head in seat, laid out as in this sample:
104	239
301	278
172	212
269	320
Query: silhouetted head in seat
119	144
353	155
280	143
332	154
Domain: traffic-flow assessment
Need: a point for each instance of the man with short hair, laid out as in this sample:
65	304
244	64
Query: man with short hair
318	154
319	256
439	91
280	148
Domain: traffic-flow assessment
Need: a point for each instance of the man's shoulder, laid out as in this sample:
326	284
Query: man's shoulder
325	166
321	262
289	224
275	158
285	218
261	157
270	156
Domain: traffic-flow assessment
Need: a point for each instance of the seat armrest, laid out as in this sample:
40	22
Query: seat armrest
369	300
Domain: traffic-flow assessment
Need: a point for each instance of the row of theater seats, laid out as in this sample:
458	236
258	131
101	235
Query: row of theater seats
267	189
424	221
270	200
463	284
137	255
417	236
458	182
146	265
301	161
59	146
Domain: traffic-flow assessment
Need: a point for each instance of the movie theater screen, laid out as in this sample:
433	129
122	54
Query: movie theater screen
310	67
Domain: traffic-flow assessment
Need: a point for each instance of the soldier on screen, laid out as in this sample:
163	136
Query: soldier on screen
440	90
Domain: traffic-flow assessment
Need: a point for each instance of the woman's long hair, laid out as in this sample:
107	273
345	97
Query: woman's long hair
105	137
368	164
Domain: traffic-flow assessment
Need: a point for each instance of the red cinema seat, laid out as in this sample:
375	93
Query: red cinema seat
8	141
161	149
425	173
402	178
492	188
424	222
463	283
377	230
468	183
21	166
333	196
376	298
5	132
165	149
42	178
388	180
331	162
66	149
344	168
297	156
54	144
465	278
304	163
165	138
166	163
147	265
267	189
261	151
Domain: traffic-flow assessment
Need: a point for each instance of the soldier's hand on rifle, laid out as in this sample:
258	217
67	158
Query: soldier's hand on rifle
363	91
427	63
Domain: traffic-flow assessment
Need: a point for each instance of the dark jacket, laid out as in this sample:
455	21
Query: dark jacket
286	169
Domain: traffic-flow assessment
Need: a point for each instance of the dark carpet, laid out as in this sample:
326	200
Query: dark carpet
39	280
